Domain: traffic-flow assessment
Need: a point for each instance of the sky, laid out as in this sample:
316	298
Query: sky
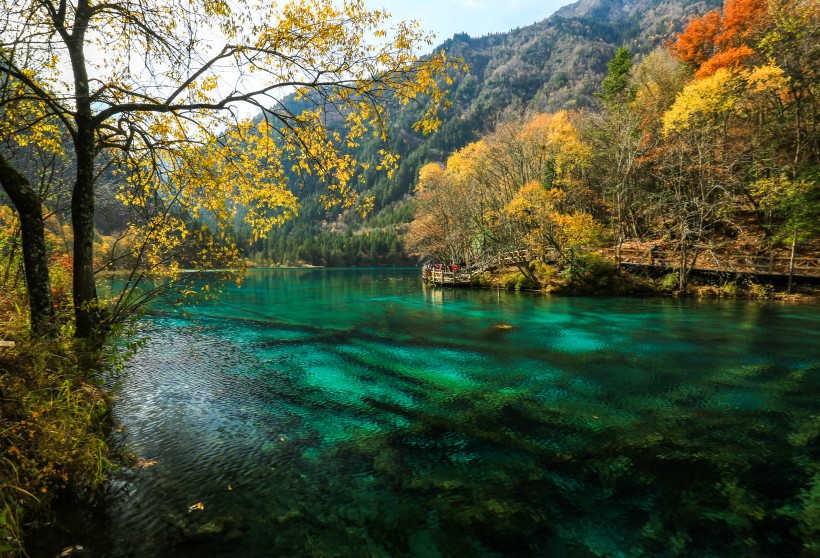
475	17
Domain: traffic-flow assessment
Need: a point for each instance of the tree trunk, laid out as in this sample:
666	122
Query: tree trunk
86	305
683	278
88	322
35	258
524	268
791	263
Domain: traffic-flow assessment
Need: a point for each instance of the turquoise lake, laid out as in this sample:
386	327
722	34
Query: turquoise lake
357	413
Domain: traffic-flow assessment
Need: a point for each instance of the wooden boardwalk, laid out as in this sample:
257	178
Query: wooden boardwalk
725	263
708	261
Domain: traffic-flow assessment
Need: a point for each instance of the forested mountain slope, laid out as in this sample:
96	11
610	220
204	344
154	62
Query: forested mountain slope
557	63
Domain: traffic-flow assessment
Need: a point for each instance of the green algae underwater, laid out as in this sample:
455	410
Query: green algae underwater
358	413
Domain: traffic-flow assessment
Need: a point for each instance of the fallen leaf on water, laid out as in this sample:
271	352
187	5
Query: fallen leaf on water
145	463
230	487
502	326
197	506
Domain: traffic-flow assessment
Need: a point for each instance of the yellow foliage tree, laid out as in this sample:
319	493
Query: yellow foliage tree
157	91
521	186
704	103
444	229
549	231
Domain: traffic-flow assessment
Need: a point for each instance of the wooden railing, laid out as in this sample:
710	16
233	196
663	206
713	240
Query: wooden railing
713	261
513	257
447	275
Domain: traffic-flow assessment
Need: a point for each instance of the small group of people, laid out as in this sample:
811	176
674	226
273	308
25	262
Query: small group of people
428	268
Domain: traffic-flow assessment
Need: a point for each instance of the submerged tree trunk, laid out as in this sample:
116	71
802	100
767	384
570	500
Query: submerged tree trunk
35	258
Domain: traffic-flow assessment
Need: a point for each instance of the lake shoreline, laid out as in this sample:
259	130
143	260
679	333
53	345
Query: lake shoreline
623	281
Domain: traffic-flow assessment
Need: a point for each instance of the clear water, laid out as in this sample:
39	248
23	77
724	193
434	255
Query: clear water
357	413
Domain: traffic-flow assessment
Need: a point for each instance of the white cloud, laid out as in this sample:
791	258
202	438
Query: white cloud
474	5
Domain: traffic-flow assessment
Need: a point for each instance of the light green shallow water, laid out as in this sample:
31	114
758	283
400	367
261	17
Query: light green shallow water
356	413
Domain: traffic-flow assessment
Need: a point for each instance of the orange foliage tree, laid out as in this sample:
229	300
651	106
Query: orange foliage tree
723	38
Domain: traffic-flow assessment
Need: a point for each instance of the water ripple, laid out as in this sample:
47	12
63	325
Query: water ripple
348	414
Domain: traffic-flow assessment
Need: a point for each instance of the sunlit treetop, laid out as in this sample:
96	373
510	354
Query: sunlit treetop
702	102
153	78
710	101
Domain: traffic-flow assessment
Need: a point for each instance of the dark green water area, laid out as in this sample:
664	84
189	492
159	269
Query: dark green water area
358	413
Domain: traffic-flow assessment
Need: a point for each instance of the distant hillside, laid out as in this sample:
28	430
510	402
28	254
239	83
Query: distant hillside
557	63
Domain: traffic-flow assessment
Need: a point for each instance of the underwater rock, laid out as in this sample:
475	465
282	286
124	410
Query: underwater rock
224	528
422	543
220	529
290	514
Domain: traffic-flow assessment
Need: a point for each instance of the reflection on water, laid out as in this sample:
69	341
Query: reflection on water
356	413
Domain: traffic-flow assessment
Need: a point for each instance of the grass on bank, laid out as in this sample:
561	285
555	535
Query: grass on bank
53	428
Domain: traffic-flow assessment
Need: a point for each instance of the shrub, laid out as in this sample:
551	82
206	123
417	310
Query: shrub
756	290
543	272
517	280
729	290
670	282
479	280
591	270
